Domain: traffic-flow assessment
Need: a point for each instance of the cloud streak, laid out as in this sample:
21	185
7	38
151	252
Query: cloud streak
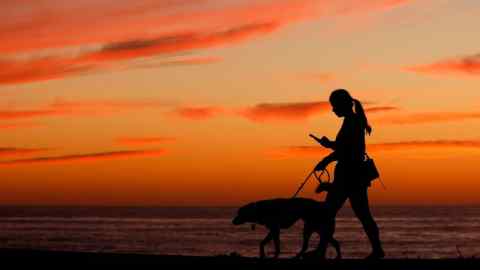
48	68
268	112
127	31
316	151
62	107
299	111
320	77
18	125
193	61
198	113
284	111
86	157
176	43
377	109
427	117
144	140
14	151
468	65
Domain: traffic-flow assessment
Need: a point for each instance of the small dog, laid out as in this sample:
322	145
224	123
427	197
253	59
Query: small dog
279	214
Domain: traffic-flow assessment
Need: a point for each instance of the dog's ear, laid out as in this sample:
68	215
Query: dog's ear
253	227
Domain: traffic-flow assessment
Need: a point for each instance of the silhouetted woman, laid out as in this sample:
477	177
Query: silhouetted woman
349	152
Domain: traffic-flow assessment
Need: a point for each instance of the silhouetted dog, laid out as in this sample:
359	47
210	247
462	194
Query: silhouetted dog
279	214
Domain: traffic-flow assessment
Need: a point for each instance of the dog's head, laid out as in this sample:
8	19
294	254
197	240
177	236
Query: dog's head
247	213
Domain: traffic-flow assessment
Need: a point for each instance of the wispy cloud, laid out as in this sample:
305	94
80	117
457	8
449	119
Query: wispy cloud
192	61
320	77
409	145
133	24
426	117
376	109
284	111
61	107
468	65
268	112
144	140
295	111
23	71
14	151
180	42
128	31
316	151
86	157
19	125
48	68
198	112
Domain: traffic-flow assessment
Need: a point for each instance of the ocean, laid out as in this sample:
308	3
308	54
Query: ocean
407	232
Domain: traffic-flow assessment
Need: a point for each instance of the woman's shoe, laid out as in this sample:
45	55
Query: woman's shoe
376	255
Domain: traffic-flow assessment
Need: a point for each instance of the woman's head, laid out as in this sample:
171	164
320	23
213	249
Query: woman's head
343	103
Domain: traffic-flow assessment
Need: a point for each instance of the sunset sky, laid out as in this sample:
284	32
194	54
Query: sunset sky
210	103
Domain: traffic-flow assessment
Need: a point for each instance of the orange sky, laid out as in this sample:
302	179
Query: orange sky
211	102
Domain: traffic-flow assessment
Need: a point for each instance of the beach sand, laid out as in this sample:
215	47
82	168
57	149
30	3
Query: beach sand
71	259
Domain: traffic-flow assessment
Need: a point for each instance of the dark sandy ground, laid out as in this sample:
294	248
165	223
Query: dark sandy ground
72	259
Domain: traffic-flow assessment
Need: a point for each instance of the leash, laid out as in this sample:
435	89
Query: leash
308	177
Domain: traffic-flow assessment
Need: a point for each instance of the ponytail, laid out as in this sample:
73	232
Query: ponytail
363	118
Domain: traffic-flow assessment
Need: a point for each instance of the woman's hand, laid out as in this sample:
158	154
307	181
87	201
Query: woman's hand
321	166
325	142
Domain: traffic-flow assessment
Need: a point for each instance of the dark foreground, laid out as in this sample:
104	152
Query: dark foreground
31	257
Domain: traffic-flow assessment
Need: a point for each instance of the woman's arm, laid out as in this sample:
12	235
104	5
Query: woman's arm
325	161
324	141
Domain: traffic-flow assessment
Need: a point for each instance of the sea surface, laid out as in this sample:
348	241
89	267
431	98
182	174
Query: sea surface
407	232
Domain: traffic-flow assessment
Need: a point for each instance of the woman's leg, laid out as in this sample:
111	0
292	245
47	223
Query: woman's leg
359	202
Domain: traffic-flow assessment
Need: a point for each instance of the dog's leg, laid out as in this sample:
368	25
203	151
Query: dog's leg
336	245
265	241
307	233
276	240
326	235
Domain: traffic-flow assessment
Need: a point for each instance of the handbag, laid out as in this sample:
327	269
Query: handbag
369	170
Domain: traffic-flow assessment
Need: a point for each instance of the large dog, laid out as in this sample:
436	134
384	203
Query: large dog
279	214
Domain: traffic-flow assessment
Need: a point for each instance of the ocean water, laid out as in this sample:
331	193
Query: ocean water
407	232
